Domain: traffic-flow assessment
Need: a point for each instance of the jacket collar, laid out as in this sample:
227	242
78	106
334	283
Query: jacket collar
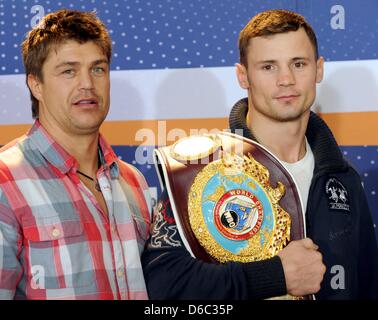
323	144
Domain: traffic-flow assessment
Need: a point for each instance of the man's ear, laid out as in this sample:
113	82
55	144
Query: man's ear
241	74
319	69
35	86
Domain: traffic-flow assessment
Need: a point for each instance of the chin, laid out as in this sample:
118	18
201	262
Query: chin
288	116
88	125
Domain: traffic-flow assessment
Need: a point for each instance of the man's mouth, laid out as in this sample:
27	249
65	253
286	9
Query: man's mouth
287	98
89	102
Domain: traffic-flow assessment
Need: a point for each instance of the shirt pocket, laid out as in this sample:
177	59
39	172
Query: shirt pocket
57	252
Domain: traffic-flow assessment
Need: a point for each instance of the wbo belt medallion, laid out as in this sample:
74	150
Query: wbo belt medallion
234	212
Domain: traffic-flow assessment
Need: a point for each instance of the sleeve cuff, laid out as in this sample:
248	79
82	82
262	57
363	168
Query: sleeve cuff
265	278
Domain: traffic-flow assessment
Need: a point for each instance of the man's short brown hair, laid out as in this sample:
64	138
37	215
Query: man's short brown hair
54	29
273	22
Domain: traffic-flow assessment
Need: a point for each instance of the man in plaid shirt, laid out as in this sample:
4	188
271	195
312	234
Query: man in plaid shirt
73	217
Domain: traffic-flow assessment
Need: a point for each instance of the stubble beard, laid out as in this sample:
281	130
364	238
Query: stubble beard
279	114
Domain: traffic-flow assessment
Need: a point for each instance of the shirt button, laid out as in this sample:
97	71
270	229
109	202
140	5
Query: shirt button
55	232
120	272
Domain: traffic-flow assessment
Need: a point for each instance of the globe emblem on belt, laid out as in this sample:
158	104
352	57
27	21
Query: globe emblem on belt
238	214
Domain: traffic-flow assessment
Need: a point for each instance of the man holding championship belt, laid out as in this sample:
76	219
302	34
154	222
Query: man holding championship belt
274	210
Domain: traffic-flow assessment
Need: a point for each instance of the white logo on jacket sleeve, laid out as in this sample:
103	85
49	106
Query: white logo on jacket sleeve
337	195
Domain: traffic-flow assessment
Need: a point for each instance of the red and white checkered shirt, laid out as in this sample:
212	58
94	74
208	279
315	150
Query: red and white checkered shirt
55	241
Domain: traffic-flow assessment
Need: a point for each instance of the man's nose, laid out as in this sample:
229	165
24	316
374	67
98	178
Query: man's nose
86	81
285	77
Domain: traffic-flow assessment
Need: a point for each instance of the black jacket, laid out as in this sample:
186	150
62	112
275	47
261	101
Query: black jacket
341	225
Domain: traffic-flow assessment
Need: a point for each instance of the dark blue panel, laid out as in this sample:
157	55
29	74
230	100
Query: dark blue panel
127	153
147	34
357	40
365	161
201	33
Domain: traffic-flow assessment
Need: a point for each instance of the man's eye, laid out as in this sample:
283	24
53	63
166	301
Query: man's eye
98	70
267	67
299	64
68	72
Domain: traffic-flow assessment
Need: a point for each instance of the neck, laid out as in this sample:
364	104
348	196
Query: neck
84	148
286	140
86	154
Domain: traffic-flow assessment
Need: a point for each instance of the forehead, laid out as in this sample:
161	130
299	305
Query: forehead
73	51
281	46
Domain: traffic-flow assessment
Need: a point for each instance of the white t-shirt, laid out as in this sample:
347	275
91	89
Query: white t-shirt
302	172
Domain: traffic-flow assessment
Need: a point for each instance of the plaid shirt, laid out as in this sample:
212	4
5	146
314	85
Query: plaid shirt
55	241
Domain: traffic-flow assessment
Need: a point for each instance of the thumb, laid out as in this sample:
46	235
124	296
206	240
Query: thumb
309	244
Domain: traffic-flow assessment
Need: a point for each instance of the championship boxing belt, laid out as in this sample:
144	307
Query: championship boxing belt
231	198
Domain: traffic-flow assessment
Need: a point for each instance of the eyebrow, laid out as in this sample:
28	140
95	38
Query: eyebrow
76	63
301	58
266	61
274	61
97	62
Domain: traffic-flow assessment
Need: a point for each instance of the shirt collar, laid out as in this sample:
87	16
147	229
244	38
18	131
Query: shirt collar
109	157
55	154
